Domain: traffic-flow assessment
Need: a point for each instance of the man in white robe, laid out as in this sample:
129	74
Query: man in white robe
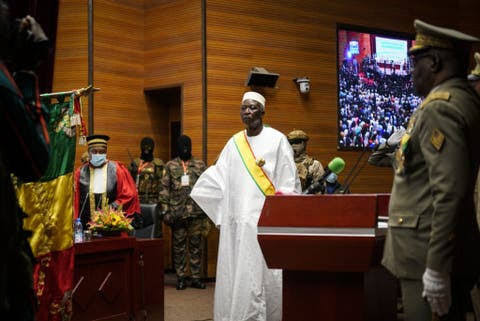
246	289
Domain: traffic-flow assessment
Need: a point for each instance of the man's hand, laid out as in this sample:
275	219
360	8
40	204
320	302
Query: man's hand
30	44
395	138
33	29
168	219
436	289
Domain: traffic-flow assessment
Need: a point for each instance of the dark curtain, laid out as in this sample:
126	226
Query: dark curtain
46	13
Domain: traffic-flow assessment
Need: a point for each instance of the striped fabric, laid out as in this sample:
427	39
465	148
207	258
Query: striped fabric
49	206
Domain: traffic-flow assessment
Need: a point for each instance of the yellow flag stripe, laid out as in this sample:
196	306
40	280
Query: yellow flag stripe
255	171
50	211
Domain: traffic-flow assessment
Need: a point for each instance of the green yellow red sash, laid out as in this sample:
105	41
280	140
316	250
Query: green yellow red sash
252	165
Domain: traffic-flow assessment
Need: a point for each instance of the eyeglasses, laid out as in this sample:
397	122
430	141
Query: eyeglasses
414	59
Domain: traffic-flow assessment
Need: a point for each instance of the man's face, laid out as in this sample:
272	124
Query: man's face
299	146
422	75
97	150
251	113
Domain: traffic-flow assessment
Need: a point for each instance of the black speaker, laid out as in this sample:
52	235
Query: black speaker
261	77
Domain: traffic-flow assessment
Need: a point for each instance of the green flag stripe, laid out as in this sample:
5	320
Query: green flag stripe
62	140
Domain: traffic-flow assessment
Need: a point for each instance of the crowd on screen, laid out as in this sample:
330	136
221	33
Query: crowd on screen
372	103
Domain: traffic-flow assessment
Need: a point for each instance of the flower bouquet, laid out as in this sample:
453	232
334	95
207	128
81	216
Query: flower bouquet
110	222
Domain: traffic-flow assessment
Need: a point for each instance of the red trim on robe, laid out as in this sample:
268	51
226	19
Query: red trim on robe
127	195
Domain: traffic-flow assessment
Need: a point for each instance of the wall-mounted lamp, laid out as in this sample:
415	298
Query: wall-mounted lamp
303	84
260	77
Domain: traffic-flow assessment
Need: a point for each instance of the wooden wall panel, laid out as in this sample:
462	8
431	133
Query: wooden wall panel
120	107
71	65
173	57
296	38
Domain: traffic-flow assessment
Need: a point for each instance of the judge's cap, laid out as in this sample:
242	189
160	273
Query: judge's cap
430	36
297	134
97	140
475	73
254	96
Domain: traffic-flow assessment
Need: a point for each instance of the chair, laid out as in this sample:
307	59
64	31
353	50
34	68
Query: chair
149	215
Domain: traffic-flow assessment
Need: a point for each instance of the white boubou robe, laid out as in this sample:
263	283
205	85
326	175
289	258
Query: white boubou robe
245	288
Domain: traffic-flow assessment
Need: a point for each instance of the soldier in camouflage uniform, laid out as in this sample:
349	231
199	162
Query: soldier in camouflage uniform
147	173
309	169
189	223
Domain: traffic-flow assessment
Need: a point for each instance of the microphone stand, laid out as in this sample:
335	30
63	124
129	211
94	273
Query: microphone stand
352	175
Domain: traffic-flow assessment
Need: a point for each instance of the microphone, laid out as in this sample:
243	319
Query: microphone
336	166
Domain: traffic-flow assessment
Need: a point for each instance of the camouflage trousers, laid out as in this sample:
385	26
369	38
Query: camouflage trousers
188	231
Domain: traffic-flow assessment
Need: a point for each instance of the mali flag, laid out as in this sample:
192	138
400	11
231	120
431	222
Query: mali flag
49	206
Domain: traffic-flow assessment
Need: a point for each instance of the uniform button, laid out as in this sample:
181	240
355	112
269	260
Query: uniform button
400	220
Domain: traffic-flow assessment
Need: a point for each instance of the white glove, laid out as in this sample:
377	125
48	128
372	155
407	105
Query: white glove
436	289
395	138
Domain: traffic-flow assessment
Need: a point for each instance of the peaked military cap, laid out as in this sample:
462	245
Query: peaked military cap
97	140
475	73
430	36
297	134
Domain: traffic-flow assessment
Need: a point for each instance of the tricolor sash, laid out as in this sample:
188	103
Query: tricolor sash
253	168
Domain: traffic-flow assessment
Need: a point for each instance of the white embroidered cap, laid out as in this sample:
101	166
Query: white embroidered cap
254	96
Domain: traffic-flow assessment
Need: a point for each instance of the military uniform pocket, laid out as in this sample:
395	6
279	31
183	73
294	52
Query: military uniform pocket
176	179
403	220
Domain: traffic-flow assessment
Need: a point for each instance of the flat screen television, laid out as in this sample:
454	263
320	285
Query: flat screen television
375	90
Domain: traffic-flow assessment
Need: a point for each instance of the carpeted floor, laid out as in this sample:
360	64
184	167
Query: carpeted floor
186	305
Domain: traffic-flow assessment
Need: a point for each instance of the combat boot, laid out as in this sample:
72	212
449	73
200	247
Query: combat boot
181	285
197	284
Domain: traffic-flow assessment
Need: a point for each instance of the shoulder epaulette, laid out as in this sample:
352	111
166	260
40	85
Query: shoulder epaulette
438	95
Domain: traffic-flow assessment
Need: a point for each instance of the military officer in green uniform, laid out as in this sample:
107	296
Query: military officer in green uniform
433	238
147	172
309	169
474	79
188	222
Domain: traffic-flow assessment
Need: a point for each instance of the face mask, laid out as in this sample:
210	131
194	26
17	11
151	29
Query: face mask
184	147
331	178
98	159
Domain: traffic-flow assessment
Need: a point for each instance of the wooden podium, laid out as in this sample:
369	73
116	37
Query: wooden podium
327	245
118	278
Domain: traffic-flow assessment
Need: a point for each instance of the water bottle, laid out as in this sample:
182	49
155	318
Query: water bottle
78	231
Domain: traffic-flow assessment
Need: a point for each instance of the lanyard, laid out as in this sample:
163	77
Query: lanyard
185	167
142	166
